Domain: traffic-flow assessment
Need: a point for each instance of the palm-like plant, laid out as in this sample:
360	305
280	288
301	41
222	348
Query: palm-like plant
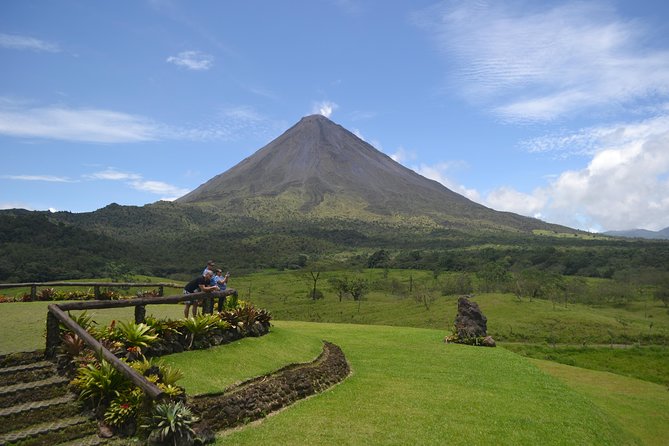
100	382
171	424
198	326
136	335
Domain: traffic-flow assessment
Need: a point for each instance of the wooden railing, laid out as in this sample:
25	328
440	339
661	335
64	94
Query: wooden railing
96	286
57	314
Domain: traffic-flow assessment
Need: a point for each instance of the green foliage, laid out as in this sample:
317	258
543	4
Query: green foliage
124	408
136	335
99	382
171	424
83	319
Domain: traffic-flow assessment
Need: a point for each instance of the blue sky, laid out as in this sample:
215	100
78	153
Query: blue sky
553	109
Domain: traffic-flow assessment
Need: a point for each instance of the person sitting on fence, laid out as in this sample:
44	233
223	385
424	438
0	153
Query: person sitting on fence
200	283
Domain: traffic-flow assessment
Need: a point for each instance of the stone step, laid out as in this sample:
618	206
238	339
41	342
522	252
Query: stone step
12	359
22	415
51	433
27	372
91	440
26	367
33	391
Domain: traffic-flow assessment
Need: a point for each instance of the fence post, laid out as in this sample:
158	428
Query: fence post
208	305
96	290
33	292
52	335
160	291
140	314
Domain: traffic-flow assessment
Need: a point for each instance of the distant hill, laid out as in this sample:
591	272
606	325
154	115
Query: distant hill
662	234
318	169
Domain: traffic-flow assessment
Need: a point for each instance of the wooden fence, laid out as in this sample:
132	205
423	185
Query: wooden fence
96	286
57	314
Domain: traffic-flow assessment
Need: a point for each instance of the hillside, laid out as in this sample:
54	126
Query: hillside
662	234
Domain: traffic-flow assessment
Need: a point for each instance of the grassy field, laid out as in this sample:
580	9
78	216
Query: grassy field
285	295
407	387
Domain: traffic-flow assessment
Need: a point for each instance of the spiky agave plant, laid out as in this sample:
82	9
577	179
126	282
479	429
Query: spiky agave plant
171	424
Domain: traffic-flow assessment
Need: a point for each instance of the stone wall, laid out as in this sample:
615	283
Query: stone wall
260	396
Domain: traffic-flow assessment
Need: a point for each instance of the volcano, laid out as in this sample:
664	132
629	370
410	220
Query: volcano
318	168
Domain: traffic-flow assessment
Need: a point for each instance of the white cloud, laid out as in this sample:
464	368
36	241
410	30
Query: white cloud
508	199
325	108
438	172
137	182
21	120
192	60
69	124
625	184
403	155
113	175
529	62
15	205
160	188
48	178
17	42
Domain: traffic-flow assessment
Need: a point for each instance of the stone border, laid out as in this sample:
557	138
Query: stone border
260	396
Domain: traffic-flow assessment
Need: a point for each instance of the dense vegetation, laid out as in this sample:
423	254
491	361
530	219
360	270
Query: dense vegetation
172	240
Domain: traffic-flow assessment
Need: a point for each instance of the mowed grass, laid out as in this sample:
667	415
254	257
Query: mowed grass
408	387
641	407
649	363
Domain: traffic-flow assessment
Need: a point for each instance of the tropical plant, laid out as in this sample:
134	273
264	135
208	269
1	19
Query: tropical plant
83	319
171	424
72	345
46	294
125	408
100	382
136	335
198	326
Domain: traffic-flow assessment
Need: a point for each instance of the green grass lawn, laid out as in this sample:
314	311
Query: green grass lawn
406	387
642	408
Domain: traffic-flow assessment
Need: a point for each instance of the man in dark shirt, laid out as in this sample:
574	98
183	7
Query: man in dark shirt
201	283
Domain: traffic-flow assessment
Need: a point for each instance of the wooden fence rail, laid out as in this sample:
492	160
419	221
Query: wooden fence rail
96	286
57	314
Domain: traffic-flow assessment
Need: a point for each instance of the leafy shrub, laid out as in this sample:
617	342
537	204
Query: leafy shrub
136	335
148	293
83	319
72	345
171	424
100	382
46	294
109	294
197	327
124	409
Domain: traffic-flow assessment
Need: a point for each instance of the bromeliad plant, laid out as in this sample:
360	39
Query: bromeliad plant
98	382
171	425
198	326
135	335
